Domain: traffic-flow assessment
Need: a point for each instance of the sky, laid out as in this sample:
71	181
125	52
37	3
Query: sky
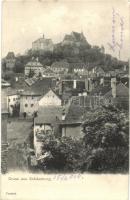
25	21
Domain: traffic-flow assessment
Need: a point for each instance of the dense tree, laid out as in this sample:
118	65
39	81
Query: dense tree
106	132
104	147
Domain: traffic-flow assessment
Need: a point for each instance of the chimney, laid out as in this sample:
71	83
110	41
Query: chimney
86	84
113	86
90	85
124	67
74	84
16	79
102	81
63	115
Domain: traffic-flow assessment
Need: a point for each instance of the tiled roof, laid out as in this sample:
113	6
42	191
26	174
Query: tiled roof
100	90
58	64
77	65
48	70
52	91
10	91
20	84
76	35
99	69
86	101
121	91
41	86
74	114
49	115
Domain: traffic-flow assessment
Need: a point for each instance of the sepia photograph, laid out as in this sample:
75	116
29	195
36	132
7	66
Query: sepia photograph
65	87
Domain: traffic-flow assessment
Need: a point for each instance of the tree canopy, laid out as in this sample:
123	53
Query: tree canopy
104	147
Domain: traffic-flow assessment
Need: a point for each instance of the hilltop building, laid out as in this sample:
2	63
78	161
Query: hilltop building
75	38
43	44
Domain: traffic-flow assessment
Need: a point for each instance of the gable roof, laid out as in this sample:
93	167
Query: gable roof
41	86
121	91
76	35
74	115
48	115
48	70
100	90
60	64
99	69
54	92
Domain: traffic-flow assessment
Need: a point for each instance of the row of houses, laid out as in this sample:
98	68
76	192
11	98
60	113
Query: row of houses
46	92
52	116
63	67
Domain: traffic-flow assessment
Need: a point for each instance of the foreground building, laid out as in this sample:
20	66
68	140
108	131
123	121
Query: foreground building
70	125
45	123
29	104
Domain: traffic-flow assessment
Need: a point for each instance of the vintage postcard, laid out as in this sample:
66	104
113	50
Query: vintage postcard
65	99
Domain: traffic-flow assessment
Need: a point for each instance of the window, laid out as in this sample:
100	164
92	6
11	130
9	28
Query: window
26	105
32	97
13	99
32	105
9	100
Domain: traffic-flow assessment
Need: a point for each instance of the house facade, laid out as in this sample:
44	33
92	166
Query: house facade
13	104
43	44
60	67
50	99
34	67
79	69
29	104
48	72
